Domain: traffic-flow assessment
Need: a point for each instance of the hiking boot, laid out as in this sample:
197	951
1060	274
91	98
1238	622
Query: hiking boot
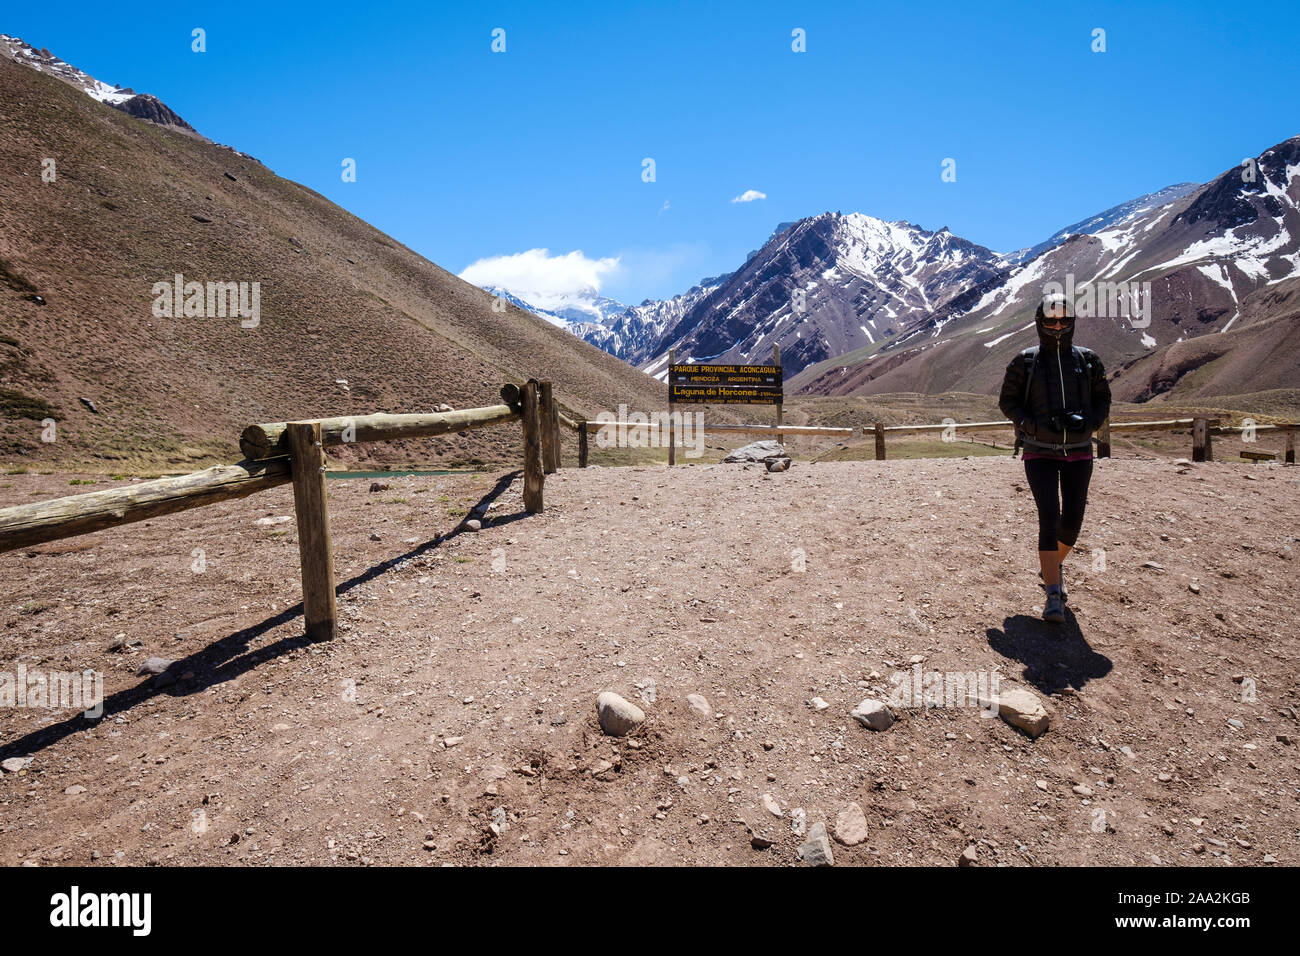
1054	606
1061	575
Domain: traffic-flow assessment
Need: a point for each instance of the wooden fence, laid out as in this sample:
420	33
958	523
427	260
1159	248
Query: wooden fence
1202	429
280	453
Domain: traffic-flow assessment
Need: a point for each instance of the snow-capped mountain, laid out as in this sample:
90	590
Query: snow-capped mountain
141	105
637	331
824	286
1111	218
586	316
1217	276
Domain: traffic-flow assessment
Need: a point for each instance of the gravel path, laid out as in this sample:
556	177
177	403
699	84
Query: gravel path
453	720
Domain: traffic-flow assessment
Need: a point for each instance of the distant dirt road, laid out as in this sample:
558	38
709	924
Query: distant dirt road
461	693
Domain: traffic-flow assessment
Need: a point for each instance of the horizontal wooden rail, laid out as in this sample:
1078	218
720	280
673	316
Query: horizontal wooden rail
267	440
41	521
959	426
743	429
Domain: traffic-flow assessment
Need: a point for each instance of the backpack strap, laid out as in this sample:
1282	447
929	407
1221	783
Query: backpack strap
1032	354
1083	363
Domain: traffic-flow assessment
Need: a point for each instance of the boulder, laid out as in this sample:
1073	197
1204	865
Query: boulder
617	716
756	451
816	850
1023	710
851	825
873	715
699	704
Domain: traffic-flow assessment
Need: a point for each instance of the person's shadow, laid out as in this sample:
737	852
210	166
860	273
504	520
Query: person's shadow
1055	656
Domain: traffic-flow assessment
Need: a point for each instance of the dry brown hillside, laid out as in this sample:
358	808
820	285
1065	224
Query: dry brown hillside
133	205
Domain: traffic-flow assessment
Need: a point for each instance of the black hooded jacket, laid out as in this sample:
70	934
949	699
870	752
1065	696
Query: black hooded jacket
1062	384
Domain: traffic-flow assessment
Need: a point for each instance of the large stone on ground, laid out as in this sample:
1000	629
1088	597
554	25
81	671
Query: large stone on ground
756	451
1023	710
851	825
816	850
617	716
699	704
873	715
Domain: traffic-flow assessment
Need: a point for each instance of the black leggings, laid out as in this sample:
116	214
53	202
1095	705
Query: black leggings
1058	520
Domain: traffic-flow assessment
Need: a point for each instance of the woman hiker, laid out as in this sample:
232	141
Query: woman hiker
1057	395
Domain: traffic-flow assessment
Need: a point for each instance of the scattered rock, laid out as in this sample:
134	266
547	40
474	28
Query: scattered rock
1082	790
772	807
271	522
154	665
14	764
379	486
756	451
777	464
75	789
851	825
873	715
473	524
1153	565
968	857
818	704
1023	710
816	850
89	404
231	177
617	716
699	704
444	407
374	536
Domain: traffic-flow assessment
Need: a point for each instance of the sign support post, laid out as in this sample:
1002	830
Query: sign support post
672	435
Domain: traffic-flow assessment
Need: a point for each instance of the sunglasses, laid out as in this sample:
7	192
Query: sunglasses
1057	321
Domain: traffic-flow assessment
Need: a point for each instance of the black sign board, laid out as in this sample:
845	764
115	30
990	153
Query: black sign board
714	395
726	376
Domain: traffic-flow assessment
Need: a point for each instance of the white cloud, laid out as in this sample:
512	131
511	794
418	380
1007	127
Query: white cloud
540	278
749	195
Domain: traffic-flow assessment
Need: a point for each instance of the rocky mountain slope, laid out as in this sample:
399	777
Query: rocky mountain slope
824	286
351	321
1217	268
141	105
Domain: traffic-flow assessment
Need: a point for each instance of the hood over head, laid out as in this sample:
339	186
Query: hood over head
1052	338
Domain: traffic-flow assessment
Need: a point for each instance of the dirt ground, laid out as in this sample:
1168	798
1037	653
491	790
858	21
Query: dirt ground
461	690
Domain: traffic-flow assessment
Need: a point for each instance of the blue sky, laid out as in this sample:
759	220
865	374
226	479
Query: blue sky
464	154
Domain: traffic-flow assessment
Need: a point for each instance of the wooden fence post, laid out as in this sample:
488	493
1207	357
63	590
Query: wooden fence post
534	475
1290	445
1103	440
1201	450
550	427
319	605
582	443
880	441
672	432
776	360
